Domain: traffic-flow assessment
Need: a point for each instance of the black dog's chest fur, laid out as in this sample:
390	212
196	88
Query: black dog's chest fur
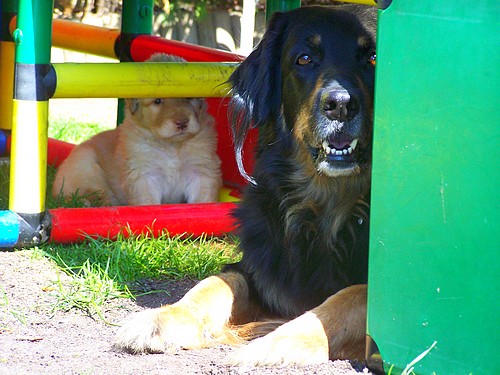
295	263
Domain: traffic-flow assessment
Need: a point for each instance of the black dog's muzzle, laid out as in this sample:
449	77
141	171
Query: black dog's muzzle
338	104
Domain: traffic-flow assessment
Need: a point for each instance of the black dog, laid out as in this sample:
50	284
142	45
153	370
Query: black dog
303	223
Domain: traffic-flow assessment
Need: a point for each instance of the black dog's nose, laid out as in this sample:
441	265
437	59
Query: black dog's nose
339	105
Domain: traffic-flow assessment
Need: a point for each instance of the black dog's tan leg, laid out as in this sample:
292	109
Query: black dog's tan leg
199	319
335	329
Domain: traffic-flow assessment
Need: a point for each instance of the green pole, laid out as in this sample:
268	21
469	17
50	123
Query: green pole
280	6
32	37
137	18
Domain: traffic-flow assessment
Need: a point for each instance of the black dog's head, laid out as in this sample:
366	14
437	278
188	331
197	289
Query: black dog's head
312	76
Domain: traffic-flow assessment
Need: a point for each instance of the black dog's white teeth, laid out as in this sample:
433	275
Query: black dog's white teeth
347	150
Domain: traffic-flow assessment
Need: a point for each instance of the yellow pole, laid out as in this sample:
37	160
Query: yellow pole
7	53
29	150
30	120
140	80
364	2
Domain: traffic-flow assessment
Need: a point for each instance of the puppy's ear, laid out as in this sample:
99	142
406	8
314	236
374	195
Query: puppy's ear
256	86
198	104
133	105
200	107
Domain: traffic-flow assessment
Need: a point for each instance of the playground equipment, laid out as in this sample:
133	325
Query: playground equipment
434	218
434	229
27	222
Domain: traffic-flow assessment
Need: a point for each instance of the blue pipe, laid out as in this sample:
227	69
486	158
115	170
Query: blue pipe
23	230
9	229
3	141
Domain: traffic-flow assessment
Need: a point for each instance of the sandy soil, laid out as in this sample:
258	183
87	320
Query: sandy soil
35	340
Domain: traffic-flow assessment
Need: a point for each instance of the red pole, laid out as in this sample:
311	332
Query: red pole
70	225
143	46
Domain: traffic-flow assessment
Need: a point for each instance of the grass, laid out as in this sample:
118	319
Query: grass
408	370
89	289
126	260
51	202
73	131
5	305
100	270
4	186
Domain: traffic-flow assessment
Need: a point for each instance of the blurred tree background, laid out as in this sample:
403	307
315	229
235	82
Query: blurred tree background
211	23
77	9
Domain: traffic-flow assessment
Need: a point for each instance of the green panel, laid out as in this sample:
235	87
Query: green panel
434	244
33	35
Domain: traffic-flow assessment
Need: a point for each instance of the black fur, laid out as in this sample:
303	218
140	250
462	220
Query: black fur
303	222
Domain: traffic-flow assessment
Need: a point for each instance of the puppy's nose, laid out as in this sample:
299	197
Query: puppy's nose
339	105
182	123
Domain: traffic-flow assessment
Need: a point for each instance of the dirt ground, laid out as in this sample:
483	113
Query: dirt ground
35	340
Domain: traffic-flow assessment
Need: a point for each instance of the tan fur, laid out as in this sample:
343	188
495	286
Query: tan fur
164	152
201	318
302	124
333	330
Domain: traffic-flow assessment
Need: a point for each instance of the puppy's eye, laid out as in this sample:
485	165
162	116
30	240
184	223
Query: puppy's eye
372	60
158	101
304	59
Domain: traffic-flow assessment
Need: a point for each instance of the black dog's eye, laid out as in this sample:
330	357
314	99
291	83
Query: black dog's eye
372	59
158	101
304	59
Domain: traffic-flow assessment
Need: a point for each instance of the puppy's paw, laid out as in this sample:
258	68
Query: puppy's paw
160	330
301	341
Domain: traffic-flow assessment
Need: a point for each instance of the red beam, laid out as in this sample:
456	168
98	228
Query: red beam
70	225
143	46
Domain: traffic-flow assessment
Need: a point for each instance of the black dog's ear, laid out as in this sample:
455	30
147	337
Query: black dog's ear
256	83
256	86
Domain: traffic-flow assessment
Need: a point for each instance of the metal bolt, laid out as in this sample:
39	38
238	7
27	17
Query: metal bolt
17	36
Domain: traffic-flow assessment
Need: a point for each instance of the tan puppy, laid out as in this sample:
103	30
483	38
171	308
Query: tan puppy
164	152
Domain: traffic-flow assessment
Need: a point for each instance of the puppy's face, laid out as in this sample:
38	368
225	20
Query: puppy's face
328	79
175	119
